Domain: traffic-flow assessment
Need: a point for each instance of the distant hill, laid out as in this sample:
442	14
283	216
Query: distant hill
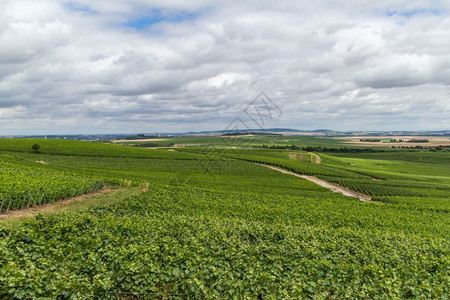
282	131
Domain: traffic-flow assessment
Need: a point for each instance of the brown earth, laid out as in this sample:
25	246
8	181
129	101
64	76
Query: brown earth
31	211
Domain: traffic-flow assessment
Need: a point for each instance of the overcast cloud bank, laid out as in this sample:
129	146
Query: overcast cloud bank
146	66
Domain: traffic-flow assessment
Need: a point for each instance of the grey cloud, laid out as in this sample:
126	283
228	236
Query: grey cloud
78	69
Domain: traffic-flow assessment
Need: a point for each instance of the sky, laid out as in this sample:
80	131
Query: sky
106	66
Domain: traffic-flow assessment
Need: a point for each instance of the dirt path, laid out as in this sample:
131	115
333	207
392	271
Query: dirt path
333	187
31	211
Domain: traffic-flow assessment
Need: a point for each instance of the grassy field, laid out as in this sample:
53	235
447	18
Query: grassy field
230	141
214	224
321	144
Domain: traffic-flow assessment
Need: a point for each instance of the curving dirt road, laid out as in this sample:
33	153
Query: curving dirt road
333	187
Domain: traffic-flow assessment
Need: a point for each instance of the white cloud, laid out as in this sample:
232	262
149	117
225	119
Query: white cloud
75	65
222	80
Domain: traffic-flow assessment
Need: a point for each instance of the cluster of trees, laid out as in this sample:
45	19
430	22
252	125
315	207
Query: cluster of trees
325	149
341	150
292	147
395	141
437	148
149	145
354	150
408	141
417	141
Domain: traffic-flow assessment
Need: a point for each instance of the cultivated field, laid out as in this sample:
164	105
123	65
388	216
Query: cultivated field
211	222
432	141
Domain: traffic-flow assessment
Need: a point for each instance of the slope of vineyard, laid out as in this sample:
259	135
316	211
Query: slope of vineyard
92	149
408	174
217	225
29	179
197	243
25	184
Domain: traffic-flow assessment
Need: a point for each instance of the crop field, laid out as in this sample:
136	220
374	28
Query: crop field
411	174
213	223
230	141
384	141
25	184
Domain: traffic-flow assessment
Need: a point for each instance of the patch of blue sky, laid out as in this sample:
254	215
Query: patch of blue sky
156	16
413	13
77	7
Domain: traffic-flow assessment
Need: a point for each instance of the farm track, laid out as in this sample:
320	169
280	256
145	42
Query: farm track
32	211
333	187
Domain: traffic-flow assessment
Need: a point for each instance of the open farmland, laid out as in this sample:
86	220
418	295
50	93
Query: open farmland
215	150
215	224
235	141
402	141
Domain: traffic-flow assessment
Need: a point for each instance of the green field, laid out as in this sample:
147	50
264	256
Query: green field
215	224
254	141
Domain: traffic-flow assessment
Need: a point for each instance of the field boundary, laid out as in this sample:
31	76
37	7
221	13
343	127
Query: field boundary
331	186
33	210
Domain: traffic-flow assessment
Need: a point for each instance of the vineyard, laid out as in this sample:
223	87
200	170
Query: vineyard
214	224
196	243
91	149
408	179
24	185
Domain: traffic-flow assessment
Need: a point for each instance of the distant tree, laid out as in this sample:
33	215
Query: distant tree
36	147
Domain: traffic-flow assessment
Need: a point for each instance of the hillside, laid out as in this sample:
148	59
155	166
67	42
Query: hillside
214	223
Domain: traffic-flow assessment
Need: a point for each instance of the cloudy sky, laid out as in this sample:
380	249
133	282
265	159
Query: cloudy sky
110	66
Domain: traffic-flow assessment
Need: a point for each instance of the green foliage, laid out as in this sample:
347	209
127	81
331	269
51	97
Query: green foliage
383	174
23	184
80	148
216	225
208	244
36	147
